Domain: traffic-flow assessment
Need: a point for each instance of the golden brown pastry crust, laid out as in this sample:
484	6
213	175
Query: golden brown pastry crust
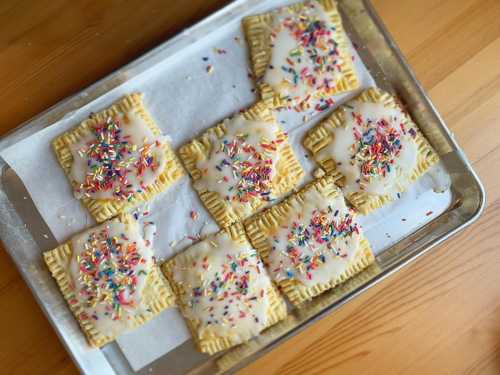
322	135
103	209
262	226
157	294
211	342
257	31
288	176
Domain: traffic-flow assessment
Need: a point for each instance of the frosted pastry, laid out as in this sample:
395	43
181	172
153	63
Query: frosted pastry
310	242
117	159
109	279
299	54
223	290
242	164
374	146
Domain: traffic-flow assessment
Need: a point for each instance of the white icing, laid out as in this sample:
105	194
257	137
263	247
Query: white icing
231	312
101	314
344	146
134	130
226	179
288	48
287	259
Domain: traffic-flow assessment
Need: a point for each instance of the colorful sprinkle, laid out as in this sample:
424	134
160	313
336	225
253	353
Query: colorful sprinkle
227	293
108	272
250	166
194	215
316	45
112	158
306	248
377	146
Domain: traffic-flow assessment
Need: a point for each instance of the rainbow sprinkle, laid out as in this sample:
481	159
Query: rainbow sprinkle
108	272
317	46
231	285
194	215
111	158
378	144
304	241
251	166
220	51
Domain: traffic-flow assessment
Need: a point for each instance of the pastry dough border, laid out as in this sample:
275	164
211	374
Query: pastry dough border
321	136
257	31
157	293
261	226
103	209
212	343
288	176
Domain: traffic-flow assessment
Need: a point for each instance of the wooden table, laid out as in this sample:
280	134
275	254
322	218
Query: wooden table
441	315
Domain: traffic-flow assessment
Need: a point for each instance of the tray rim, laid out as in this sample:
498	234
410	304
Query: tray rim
63	107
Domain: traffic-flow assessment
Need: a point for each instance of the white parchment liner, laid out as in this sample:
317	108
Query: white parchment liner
185	100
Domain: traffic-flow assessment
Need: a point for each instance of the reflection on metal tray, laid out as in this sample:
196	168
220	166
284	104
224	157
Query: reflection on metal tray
24	232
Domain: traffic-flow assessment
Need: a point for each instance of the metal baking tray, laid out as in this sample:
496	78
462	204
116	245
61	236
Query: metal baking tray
24	233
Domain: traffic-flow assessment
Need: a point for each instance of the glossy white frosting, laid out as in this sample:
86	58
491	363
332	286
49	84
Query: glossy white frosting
299	42
139	138
108	309
298	240
223	169
226	287
344	149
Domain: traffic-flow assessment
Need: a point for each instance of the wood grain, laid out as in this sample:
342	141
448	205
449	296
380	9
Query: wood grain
441	315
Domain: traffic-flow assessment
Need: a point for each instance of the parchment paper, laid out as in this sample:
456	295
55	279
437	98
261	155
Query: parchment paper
185	100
